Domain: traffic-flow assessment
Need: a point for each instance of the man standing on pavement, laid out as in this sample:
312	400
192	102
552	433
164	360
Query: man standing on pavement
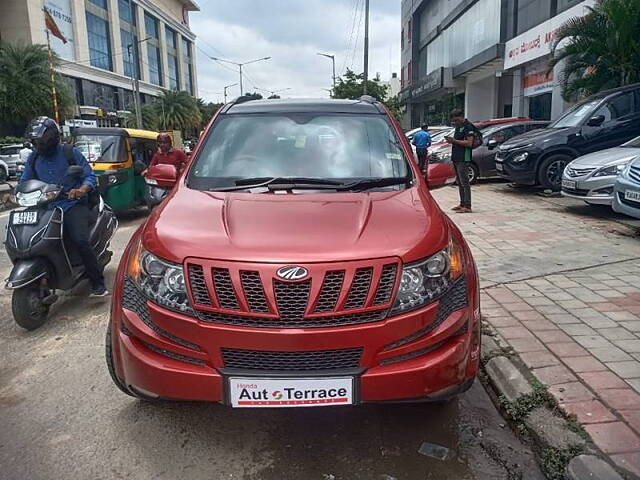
422	141
461	145
168	154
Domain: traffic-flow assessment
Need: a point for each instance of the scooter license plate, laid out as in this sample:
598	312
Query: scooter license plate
24	218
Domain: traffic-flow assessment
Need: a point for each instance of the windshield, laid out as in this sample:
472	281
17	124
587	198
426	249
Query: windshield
633	143
328	147
10	150
439	137
576	115
101	148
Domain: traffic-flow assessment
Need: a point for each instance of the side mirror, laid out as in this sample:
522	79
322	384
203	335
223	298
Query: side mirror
163	175
596	121
139	167
75	171
492	143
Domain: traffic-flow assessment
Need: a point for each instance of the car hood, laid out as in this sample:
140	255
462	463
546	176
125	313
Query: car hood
534	136
605	157
286	228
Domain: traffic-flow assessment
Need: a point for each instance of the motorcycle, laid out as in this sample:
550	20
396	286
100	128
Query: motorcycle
43	260
160	180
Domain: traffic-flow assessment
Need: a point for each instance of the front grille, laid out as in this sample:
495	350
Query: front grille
292	361
253	291
331	288
173	355
132	299
579	172
359	290
387	282
199	288
454	299
292	299
224	289
307	322
634	174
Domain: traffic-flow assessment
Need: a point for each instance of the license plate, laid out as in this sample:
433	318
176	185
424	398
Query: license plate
499	167
290	392
24	218
632	195
571	184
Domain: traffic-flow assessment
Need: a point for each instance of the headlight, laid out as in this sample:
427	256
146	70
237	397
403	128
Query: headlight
160	281
30	199
427	280
611	171
441	157
520	157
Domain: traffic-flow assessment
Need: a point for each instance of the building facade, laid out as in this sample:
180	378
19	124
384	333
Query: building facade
109	43
466	54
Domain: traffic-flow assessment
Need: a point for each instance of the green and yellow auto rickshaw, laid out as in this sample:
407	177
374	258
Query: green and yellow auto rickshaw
117	156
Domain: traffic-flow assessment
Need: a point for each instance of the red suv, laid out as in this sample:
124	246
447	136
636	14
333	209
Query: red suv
299	261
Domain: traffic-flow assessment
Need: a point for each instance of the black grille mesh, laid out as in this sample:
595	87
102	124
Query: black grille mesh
330	292
254	292
175	356
292	361
199	288
224	289
387	282
315	322
359	288
292	299
454	299
132	299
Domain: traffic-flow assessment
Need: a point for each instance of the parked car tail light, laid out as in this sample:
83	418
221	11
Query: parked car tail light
427	280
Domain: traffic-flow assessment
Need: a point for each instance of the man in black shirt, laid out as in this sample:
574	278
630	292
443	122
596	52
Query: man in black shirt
461	145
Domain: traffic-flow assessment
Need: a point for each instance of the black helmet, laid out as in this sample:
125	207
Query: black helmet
44	133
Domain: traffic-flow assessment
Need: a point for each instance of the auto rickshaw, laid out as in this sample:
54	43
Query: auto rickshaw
117	156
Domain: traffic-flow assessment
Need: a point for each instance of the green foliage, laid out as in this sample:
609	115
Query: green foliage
274	97
253	96
207	111
351	86
177	110
25	87
554	462
601	50
518	410
393	104
11	140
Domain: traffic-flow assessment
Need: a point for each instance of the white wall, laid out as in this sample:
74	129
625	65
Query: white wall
481	99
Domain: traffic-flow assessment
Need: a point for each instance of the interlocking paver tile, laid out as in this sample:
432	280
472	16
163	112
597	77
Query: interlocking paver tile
599	323
621	316
539	359
591	411
571	392
631	326
554	375
602	380
628	461
584	364
635	383
567	349
627	369
504	321
593	341
632	417
621	398
539	325
510	333
629	346
524	345
552	336
528	315
576	329
614	437
609	354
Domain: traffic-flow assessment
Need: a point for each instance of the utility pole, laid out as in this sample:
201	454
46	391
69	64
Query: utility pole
225	91
333	61
54	95
239	65
366	45
135	82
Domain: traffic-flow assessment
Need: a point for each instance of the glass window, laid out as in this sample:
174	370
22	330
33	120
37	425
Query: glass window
150	25
532	13
565	4
129	59
99	46
634	143
155	65
188	80
622	105
173	71
101	148
576	115
637	99
322	146
125	9
172	40
100	3
186	48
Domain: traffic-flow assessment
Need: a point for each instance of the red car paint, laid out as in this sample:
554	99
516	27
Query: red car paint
430	353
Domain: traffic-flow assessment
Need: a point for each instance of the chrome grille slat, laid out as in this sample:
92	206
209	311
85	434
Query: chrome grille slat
359	288
386	284
330	292
292	361
292	299
224	289
254	292
579	172
199	288
308	322
634	174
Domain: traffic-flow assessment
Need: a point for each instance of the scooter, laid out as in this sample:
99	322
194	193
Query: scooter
43	260
160	179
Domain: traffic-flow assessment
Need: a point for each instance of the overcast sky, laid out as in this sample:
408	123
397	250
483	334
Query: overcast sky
291	32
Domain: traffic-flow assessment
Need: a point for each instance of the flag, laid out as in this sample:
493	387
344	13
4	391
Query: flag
53	27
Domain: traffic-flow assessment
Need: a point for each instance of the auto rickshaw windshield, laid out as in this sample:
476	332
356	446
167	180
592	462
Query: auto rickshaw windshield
102	148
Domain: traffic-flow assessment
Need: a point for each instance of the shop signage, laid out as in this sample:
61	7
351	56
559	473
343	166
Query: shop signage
537	42
77	122
431	82
535	83
60	10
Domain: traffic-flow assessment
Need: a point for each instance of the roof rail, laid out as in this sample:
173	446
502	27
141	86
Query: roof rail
368	99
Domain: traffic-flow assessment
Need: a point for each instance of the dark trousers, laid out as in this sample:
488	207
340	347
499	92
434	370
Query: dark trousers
422	154
462	179
76	229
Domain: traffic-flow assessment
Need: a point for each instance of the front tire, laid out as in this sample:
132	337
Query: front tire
551	169
474	173
29	311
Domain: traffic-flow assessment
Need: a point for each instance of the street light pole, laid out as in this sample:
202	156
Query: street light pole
366	45
225	91
240	65
273	92
333	61
135	83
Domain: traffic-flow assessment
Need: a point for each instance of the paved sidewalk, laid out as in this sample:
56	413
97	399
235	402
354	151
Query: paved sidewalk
564	292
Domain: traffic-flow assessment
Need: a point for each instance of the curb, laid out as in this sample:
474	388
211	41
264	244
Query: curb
562	452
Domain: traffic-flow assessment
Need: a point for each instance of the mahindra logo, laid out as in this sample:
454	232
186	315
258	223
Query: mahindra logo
292	273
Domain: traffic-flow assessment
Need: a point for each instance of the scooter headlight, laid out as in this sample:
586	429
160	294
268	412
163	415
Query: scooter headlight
427	280
160	281
30	199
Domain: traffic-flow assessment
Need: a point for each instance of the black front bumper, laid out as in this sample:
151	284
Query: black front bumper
524	174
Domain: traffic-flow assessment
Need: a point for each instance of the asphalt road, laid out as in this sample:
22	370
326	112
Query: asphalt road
61	417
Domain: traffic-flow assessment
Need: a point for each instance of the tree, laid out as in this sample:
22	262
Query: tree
601	50
25	87
274	97
253	96
176	110
351	86
207	111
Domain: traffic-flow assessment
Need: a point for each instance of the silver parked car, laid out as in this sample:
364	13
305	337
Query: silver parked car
626	191
10	155
591	177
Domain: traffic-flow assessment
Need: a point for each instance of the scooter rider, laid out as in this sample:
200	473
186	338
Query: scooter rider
49	164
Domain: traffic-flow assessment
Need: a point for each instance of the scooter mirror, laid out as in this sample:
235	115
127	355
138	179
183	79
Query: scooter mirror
75	171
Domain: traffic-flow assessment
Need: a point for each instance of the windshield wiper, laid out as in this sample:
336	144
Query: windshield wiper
289	182
368	183
358	185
